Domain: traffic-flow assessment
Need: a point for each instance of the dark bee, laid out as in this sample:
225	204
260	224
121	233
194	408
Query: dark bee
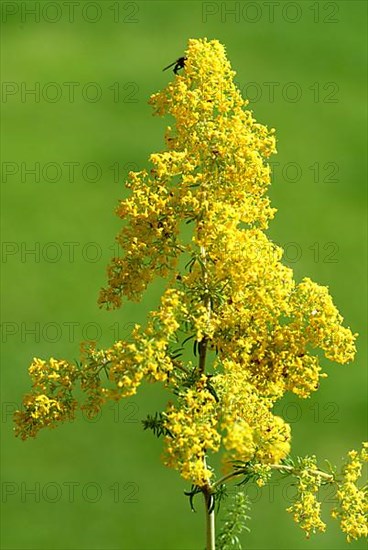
178	64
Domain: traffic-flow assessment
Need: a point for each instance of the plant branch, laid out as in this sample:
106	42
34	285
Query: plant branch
210	519
280	467
318	473
229	476
207	490
202	345
180	367
202	348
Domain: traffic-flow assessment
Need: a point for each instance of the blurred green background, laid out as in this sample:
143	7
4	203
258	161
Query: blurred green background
101	485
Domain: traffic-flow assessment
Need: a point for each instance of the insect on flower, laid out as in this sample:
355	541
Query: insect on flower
179	64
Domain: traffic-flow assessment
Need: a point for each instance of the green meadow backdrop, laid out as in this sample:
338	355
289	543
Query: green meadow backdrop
76	80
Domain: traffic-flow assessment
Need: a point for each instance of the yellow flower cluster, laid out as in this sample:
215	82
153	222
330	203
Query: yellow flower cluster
192	432
215	175
306	509
149	239
252	432
125	364
51	400
198	218
353	502
147	355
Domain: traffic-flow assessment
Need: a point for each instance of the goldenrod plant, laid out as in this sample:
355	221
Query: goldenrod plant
234	332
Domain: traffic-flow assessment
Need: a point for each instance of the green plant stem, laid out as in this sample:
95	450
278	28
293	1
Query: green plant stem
280	467
210	521
202	348
202	345
180	367
207	491
318	473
